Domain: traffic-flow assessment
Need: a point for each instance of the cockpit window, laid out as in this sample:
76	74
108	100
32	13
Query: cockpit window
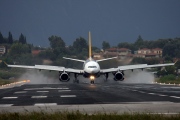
92	67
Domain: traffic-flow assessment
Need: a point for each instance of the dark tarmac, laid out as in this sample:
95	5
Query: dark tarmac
100	97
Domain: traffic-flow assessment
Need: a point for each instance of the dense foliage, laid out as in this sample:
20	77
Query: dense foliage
20	50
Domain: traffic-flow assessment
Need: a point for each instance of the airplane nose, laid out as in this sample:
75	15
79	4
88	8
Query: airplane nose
93	70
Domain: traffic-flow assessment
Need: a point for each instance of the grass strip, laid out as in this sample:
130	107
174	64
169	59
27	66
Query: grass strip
80	116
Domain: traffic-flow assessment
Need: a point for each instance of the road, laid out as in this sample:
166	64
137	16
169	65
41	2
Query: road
107	97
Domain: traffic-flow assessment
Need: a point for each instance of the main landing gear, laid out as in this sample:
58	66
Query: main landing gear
106	75
76	80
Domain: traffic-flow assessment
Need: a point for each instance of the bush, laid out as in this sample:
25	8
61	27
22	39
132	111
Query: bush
7	75
169	77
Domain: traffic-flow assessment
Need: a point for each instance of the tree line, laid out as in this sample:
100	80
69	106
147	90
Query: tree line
20	50
10	40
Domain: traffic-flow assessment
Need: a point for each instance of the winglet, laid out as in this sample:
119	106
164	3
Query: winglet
5	63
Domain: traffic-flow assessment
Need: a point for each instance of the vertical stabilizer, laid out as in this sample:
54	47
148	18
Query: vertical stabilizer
90	51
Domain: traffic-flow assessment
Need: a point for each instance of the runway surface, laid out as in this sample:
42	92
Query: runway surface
109	97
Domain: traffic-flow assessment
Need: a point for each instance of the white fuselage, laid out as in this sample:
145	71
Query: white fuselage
91	67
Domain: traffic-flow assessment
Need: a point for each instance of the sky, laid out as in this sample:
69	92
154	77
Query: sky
113	21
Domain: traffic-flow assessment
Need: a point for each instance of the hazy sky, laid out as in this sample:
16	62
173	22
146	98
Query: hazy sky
114	21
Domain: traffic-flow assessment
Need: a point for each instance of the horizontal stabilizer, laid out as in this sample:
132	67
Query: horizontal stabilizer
106	59
74	59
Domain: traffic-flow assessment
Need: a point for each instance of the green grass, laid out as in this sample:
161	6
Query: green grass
168	79
3	82
79	116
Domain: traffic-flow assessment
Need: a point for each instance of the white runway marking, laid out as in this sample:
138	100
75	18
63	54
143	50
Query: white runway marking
152	93
42	91
45	88
64	90
68	96
20	92
39	97
9	97
6	105
162	95
45	104
174	97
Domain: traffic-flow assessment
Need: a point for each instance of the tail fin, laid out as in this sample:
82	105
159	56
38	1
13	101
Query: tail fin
90	51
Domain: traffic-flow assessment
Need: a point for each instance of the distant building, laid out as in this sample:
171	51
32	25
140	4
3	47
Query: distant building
120	52
2	50
149	53
98	56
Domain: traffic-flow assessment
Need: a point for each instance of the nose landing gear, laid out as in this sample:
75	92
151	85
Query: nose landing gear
92	79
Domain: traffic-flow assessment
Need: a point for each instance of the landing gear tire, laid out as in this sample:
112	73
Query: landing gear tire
92	81
106	75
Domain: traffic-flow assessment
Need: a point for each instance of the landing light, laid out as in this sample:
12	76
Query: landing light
92	77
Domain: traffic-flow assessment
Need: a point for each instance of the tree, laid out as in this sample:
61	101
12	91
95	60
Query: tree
169	50
47	54
1	38
58	46
10	38
80	45
139	42
126	45
22	39
18	49
177	64
56	42
105	45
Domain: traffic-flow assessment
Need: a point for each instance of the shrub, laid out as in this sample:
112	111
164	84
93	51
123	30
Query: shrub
169	77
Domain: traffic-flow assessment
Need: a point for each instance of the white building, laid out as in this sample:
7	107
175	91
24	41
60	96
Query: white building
2	50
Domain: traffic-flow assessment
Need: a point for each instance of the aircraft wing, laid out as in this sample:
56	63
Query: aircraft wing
132	67
48	67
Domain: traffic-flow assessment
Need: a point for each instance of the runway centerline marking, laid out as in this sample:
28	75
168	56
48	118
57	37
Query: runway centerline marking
68	96
45	104
39	97
9	97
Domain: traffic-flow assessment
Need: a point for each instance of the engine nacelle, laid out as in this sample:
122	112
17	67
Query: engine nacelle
64	77
118	76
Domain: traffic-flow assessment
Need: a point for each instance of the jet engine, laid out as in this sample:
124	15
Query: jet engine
119	76
64	77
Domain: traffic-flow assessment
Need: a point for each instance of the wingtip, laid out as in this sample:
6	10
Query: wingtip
5	63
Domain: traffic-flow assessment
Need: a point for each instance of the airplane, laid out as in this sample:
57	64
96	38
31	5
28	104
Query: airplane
91	68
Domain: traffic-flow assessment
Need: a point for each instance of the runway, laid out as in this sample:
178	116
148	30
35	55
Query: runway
97	97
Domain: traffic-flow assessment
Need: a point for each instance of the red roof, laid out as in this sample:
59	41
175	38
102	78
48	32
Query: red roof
119	49
36	52
157	49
